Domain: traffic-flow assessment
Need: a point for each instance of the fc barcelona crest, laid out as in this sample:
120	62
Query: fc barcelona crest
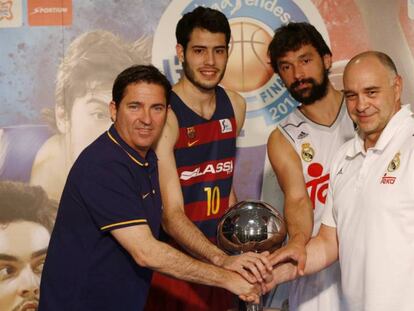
191	133
307	152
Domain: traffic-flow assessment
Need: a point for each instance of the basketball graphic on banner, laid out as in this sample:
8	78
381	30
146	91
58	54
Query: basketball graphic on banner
247	57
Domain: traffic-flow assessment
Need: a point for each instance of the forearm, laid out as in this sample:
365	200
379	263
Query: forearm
183	230
299	220
322	252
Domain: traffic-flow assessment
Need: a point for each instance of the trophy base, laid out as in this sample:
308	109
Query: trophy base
264	309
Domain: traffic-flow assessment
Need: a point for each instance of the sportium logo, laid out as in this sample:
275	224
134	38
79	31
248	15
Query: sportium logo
49	12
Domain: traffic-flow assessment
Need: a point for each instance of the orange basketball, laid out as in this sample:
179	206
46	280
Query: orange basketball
247	67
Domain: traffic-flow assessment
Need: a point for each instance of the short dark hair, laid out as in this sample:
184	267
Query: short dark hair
23	202
291	37
205	18
136	74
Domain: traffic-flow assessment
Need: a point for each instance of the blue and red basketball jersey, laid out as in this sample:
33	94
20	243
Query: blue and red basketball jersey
204	155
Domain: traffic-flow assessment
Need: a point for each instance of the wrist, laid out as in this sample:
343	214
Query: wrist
218	259
299	238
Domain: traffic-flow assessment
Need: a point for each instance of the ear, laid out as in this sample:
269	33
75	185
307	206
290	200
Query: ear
398	85
112	111
62	122
327	61
179	49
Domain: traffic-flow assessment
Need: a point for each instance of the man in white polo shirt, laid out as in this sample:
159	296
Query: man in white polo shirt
369	217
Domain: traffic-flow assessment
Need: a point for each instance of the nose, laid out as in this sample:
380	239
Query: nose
209	58
28	283
146	116
298	72
362	103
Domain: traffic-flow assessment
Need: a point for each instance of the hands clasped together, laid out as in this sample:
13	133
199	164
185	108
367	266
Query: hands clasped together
258	273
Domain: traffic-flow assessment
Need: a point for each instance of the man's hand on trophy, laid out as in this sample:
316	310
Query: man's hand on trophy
254	267
295	251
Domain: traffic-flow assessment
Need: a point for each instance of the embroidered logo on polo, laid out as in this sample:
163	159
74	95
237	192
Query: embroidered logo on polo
307	152
392	167
226	126
395	163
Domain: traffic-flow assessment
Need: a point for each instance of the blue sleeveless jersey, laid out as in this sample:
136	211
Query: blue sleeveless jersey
204	155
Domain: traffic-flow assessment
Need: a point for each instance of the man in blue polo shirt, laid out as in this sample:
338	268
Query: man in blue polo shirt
103	246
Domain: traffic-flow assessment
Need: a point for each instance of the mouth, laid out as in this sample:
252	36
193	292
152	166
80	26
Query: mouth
31	305
209	72
144	131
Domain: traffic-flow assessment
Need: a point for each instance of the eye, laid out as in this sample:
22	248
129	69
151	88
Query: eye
198	51
372	93
7	272
221	51
284	67
38	267
100	115
133	107
350	96
306	60
159	108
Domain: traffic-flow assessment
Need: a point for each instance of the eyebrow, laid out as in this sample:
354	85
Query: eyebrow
38	253
96	100
8	257
205	47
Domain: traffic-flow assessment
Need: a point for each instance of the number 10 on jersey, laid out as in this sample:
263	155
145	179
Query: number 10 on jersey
213	200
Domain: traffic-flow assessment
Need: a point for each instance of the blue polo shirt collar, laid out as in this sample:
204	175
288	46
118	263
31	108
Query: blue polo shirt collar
151	158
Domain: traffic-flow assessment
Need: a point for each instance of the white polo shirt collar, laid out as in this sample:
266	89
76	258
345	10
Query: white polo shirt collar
390	130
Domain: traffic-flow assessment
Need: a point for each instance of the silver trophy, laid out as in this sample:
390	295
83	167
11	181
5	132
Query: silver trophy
251	226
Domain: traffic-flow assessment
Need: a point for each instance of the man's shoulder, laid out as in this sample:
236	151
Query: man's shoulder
101	150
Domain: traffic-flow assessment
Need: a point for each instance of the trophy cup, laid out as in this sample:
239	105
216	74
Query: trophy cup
250	226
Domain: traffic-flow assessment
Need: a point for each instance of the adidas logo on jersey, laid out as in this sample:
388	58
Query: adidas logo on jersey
302	135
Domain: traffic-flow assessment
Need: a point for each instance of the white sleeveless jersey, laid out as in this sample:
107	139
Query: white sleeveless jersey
316	145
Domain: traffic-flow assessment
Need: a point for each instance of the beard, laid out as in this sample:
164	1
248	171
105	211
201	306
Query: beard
207	85
310	95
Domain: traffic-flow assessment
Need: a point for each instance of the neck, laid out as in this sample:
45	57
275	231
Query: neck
201	101
325	110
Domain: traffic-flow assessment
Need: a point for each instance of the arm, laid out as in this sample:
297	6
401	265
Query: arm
322	251
182	229
297	207
153	254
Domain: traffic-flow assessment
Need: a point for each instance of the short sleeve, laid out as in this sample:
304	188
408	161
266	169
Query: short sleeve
112	197
328	218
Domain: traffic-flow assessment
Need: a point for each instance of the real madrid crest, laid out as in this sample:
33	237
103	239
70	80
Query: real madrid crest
307	152
395	163
191	133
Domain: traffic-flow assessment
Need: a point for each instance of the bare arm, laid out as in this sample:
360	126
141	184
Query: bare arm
297	207
153	254
322	251
180	227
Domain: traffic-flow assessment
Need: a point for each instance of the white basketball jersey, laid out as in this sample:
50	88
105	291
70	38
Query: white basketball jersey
316	145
